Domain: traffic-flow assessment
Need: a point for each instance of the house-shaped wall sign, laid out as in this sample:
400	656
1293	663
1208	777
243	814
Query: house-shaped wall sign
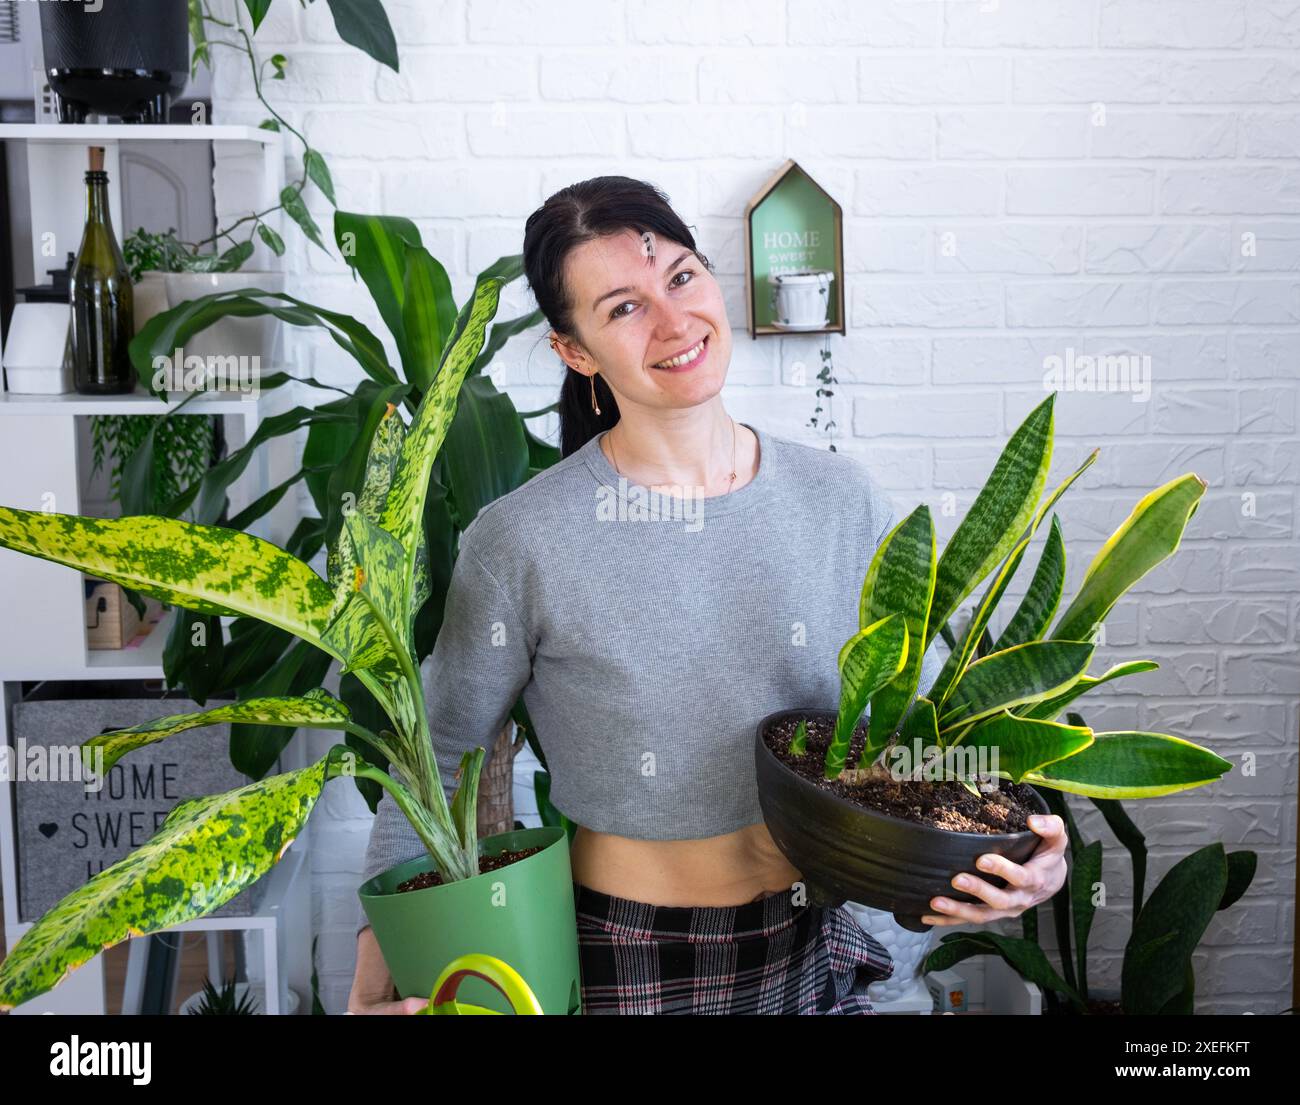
794	229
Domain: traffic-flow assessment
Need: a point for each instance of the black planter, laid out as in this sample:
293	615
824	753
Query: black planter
846	852
127	59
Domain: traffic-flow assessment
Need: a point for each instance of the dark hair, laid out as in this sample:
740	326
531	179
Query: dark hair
576	214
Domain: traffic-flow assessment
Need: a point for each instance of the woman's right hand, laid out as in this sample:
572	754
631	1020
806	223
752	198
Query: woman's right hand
372	985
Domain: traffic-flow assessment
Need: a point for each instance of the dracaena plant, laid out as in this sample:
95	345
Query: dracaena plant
362	615
996	699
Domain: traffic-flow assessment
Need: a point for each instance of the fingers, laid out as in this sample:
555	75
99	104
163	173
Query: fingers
1052	829
949	912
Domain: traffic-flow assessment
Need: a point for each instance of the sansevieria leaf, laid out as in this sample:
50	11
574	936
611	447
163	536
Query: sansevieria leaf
206	569
998	517
1132	765
1030	620
1147	536
1050	707
1026	673
868	660
314	710
900	581
1011	746
206	852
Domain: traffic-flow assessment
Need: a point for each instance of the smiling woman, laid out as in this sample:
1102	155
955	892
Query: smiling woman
647	648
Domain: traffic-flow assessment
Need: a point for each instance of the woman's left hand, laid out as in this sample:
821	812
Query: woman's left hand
1027	884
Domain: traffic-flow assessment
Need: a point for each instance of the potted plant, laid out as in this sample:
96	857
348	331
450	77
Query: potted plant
1157	976
886	813
363	616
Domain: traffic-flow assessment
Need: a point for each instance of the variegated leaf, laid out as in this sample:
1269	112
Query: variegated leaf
1016	746
1026	673
868	659
1132	765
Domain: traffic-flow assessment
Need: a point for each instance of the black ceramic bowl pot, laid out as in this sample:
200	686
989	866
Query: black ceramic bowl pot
846	852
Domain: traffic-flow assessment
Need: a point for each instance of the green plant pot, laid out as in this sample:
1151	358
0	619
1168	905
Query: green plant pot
522	914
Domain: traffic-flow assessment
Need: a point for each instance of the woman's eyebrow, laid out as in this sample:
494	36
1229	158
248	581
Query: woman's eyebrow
622	291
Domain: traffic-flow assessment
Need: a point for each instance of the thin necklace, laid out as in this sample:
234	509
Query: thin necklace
731	479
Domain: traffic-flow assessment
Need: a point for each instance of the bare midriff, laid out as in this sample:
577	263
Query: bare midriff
727	870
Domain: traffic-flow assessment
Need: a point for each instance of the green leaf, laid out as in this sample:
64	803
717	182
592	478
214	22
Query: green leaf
314	710
428	314
1158	955
799	742
1048	708
1030	620
292	202
1026	673
464	805
206	851
1149	535
1025	957
374	246
319	173
502	332
1085	873
900	580
1020	746
257	9
997	518
868	660
486	454
1132	765
274	242
256	746
199	36
203	568
268	124
278	62
364	24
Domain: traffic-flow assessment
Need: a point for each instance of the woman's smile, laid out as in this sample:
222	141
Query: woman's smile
687	359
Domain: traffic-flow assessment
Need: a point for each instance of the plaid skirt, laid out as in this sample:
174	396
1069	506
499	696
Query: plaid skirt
768	956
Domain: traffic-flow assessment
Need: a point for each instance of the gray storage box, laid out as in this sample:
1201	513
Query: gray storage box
66	834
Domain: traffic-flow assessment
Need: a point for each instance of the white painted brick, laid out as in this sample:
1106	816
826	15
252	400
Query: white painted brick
861	132
841	23
1001	134
931	79
1113	79
1090	414
480	190
1226	720
1022	248
1076	303
1148	134
1272	672
510	131
926	303
1257	515
1266	247
1267	410
1253	190
949	413
1224	621
456	75
1155	247
1180	410
1261	567
1079	190
1004	359
1163	24
1051	24
406	135
537	22
1202	302
674	134
894	467
794	77
927	191
1150	464
1273	23
1192	570
1242	80
1174	356
704	23
882	247
860	359
1265	463
423	22
606	77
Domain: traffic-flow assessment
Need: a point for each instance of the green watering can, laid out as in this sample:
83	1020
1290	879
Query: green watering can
442	1002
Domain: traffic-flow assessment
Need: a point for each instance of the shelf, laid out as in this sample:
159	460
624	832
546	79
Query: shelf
144	661
139	402
83	133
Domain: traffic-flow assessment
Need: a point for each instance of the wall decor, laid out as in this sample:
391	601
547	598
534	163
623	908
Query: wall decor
794	257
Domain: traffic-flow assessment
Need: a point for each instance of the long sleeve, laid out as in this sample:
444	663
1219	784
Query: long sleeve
481	662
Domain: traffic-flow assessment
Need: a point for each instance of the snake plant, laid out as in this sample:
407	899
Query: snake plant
363	615
998	702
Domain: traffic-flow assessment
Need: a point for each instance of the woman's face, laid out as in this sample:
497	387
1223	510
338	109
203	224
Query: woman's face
633	312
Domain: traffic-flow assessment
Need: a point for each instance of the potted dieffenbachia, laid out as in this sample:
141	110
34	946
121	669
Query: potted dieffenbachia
886	811
520	909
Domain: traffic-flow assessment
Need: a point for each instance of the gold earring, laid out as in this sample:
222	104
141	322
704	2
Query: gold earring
593	394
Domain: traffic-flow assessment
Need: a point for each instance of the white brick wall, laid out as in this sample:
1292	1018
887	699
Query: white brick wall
1019	178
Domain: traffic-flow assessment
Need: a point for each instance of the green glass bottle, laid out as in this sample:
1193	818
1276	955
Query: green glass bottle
102	319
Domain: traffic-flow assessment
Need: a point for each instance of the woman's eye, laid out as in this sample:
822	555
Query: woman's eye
684	272
618	311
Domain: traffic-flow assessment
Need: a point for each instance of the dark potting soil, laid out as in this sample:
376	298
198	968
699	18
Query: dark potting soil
943	805
485	863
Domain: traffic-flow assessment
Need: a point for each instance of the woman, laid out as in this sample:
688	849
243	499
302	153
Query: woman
648	643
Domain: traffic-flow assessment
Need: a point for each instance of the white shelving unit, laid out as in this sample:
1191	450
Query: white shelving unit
40	469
